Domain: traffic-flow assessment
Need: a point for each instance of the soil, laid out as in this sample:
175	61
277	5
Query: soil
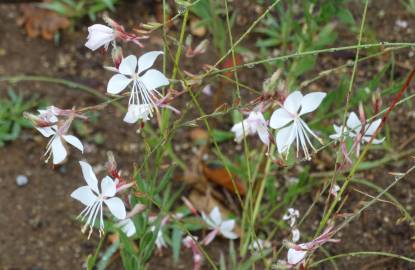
38	229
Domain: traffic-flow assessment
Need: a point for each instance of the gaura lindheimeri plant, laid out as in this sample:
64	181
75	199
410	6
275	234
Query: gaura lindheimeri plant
48	124
101	35
287	120
255	123
218	226
144	96
94	199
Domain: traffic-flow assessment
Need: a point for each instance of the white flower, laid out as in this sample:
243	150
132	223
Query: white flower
90	196
292	215
144	80
137	112
49	118
99	35
295	256
295	105
160	242
215	222
255	123
354	128
127	226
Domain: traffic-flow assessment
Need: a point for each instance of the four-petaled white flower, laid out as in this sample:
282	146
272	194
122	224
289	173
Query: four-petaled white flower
144	83
56	147
99	35
94	199
295	105
215	222
255	123
353	129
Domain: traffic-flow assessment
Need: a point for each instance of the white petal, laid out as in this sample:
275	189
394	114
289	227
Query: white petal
116	207
280	118
227	225
46	131
293	102
108	187
127	226
229	235
373	127
285	138
147	60
100	28
353	122
295	256
208	221
263	134
84	195
377	141
238	130
117	83
215	216
58	150
311	101
128	65
295	235
74	141
89	176
153	79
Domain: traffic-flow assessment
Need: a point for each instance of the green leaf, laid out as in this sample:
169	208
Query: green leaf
176	240
221	135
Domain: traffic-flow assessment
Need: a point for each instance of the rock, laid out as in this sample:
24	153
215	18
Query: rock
22	180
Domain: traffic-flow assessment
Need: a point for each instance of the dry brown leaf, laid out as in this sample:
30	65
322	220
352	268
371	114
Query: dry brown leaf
220	176
41	22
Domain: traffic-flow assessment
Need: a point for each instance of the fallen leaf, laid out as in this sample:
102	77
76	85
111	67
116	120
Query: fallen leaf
220	176
41	22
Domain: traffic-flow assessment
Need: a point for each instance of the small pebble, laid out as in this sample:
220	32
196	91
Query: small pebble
22	180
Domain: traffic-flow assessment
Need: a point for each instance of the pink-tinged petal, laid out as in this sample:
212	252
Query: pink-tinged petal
46	131
373	127
58	150
108	187
84	195
293	102
310	102
280	118
227	226
127	226
153	79
285	138
128	65
74	141
215	216
99	35
295	256
353	122
209	238
116	207
147	60
263	134
89	176
117	83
